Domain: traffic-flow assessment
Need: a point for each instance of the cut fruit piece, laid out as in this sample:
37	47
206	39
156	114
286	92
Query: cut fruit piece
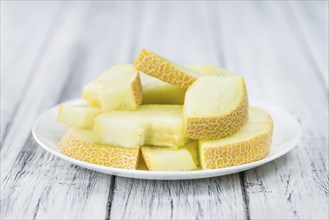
215	107
167	159
157	66
249	144
211	70
156	91
141	164
81	116
78	144
192	147
118	88
160	125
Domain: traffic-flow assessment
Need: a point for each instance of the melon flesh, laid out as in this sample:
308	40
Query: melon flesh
166	159
78	144
160	125
119	88
156	91
210	70
215	107
81	116
165	70
251	143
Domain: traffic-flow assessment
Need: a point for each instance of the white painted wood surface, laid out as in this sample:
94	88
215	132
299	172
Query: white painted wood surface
49	50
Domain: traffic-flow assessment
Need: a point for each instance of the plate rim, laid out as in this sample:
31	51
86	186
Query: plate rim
169	175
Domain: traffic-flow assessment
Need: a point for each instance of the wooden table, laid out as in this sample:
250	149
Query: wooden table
49	50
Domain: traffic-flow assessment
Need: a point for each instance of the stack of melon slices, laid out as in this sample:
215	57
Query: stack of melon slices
174	118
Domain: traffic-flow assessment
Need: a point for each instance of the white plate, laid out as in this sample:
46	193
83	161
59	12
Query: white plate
287	131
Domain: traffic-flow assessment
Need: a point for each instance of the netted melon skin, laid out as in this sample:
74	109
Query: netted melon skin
156	66
238	153
79	148
218	127
138	91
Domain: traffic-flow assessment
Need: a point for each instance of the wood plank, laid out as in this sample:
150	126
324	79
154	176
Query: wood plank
26	28
191	199
36	184
312	27
263	46
169	29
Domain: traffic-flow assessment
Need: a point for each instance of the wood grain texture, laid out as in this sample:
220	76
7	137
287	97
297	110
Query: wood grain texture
279	189
213	198
217	198
35	184
51	49
18	20
310	19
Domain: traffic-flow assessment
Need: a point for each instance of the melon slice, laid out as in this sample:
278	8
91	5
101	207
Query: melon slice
78	144
165	70
210	70
156	91
166	159
118	88
215	107
160	125
81	116
249	144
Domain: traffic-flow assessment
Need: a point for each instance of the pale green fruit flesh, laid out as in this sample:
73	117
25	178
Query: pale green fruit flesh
211	70
160	125
118	97
213	96
118	88
86	134
156	91
193	149
166	159
215	107
81	116
78	143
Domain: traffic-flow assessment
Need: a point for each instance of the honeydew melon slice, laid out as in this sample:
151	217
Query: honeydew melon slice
251	143
118	88
78	144
160	125
210	70
81	116
215	107
156	91
165	70
185	158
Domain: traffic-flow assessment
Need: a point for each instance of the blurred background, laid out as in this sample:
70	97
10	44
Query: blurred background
50	49
58	46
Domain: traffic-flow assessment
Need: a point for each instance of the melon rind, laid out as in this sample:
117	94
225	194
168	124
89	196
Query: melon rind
165	70
77	143
219	125
249	144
